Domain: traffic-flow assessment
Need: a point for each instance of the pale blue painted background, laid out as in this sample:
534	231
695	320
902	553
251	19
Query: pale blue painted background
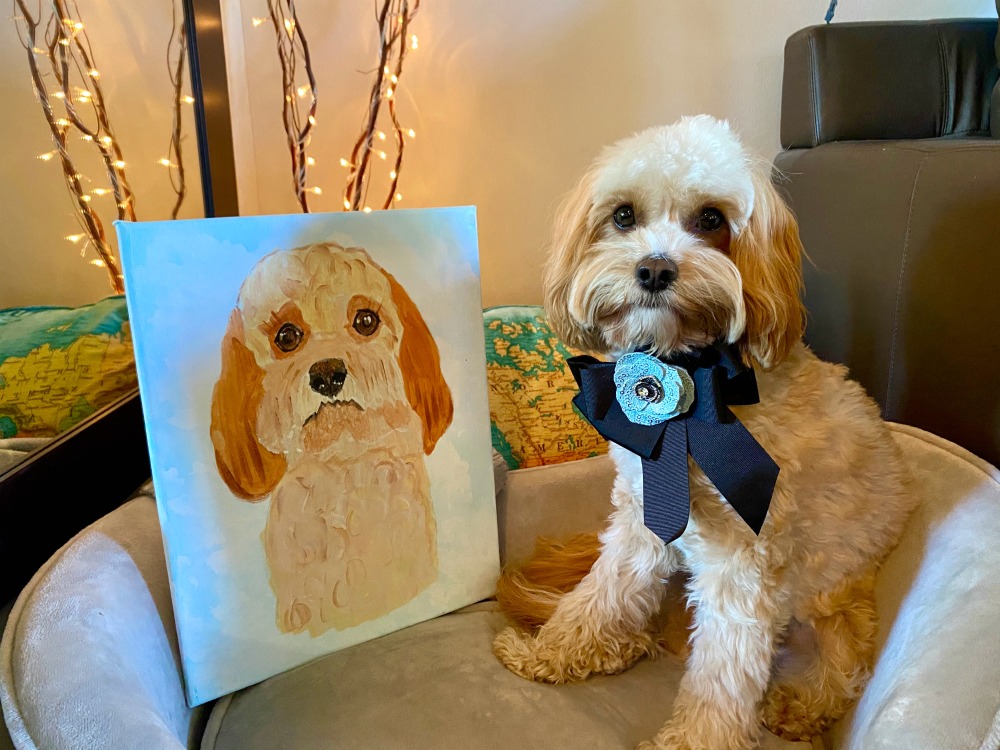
182	280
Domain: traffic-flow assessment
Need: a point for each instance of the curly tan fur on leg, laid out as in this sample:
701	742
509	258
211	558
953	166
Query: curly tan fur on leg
844	624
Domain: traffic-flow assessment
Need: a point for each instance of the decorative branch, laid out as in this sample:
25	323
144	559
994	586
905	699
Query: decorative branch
175	69
393	23
293	47
68	52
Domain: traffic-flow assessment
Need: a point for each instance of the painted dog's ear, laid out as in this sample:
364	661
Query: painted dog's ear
247	467
420	363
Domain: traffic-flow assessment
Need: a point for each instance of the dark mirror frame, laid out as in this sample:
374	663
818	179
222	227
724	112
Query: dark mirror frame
93	468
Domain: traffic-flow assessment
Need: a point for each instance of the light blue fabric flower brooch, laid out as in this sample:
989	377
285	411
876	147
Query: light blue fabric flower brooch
650	391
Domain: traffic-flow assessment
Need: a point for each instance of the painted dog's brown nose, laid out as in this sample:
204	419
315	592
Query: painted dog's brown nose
327	377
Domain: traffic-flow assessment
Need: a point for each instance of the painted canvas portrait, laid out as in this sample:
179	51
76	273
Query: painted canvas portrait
315	399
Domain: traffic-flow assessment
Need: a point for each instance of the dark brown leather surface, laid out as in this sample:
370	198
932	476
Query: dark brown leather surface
995	110
894	80
903	282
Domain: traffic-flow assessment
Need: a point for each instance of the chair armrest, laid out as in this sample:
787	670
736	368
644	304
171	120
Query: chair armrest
893	80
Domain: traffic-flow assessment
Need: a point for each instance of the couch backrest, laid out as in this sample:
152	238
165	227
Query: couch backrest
912	79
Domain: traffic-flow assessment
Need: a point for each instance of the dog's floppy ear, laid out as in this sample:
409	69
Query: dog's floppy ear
573	234
250	470
768	253
420	363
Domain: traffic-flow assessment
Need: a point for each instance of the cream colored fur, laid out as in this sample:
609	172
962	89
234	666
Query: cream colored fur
841	499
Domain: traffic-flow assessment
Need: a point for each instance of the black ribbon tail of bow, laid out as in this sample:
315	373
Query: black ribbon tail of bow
667	481
741	470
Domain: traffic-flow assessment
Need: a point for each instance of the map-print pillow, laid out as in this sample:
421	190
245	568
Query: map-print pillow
58	365
532	418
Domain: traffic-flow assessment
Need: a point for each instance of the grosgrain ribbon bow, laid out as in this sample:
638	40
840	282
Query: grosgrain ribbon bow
714	437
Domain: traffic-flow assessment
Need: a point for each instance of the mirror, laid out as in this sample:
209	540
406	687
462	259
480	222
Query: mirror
99	125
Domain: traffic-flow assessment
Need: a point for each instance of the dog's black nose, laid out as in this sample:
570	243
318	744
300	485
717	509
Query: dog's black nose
656	274
327	376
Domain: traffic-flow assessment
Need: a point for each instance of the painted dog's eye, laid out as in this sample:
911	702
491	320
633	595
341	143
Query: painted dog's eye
288	338
624	216
366	322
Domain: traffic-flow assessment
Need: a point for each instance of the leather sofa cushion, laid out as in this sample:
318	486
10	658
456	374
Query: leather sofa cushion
901	280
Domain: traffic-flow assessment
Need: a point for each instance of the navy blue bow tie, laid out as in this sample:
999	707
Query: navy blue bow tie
714	437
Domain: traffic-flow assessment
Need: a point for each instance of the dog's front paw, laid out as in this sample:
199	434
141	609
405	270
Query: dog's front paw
552	657
790	716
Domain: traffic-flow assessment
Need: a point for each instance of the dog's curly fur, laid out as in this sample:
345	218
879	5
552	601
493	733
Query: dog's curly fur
841	499
330	395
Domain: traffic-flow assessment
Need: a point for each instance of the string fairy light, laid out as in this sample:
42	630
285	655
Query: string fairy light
299	110
70	61
393	20
176	56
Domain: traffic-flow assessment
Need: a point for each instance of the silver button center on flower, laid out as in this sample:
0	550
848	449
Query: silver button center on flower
649	389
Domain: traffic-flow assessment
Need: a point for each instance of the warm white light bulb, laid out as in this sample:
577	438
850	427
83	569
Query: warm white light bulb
310	161
381	154
392	175
399	196
381	135
85	198
164	162
257	22
412	133
312	120
187	99
388	93
106	140
302	91
367	210
93	73
120	164
74	238
413	42
47	156
316	190
344	162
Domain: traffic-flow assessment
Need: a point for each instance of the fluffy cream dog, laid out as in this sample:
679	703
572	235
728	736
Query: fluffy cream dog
330	395
676	238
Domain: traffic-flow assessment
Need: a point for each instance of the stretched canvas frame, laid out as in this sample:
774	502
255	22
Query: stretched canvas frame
316	407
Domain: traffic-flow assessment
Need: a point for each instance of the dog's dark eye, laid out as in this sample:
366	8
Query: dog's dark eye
709	220
624	217
366	322
288	338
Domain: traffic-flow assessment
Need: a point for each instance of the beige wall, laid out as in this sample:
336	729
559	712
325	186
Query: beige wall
129	41
511	99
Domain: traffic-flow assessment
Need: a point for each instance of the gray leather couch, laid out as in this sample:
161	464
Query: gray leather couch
894	174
